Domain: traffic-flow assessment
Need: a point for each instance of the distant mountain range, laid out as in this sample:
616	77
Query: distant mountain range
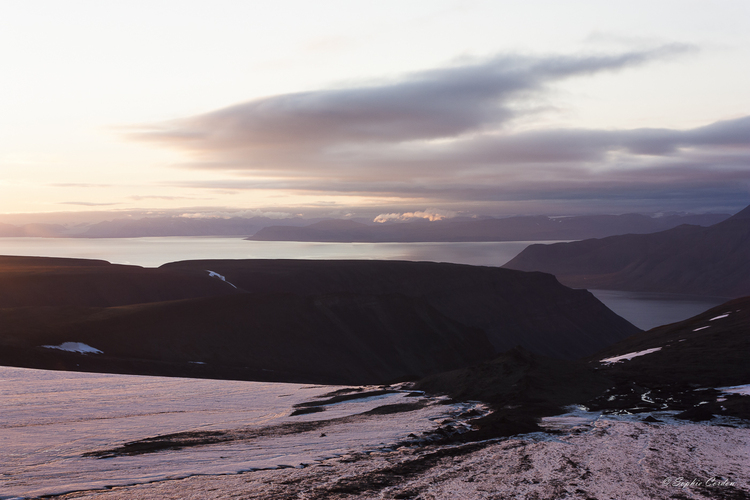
152	226
525	228
343	322
687	259
522	228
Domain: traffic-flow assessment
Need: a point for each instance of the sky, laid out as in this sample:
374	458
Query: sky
384	110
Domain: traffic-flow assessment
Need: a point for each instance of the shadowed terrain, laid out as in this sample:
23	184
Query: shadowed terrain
47	281
345	322
531	310
687	259
695	357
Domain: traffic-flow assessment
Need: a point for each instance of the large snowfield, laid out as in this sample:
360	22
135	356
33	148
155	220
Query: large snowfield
51	419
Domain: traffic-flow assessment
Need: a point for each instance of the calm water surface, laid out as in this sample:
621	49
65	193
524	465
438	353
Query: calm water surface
152	252
648	310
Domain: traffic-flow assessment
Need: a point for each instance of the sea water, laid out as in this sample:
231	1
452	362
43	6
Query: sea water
648	310
155	251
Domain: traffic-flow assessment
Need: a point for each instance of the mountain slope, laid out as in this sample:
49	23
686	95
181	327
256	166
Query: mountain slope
528	309
708	350
686	259
673	368
46	281
336	339
316	321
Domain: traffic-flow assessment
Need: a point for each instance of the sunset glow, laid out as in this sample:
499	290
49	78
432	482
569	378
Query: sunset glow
340	109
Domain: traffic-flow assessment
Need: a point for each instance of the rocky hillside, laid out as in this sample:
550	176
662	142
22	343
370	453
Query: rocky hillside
677	368
687	259
347	322
531	310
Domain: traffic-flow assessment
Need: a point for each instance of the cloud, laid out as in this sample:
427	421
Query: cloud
443	103
79	184
431	214
160	197
447	135
86	203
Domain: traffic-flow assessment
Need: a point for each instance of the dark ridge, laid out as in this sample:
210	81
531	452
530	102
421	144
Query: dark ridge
344	339
333	322
528	309
46	281
687	259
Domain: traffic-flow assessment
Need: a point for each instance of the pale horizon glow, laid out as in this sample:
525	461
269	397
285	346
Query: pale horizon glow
353	108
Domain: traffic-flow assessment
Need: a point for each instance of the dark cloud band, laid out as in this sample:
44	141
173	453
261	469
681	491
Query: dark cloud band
444	134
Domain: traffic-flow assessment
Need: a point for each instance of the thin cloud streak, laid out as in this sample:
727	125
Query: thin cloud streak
87	203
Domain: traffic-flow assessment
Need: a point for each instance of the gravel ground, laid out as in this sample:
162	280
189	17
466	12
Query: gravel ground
601	459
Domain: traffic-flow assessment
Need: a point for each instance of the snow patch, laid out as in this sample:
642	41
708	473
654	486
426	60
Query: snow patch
217	275
75	347
736	389
702	328
720	316
628	356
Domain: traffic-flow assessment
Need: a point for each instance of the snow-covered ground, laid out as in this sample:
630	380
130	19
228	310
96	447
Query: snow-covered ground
75	347
628	356
589	456
50	420
737	389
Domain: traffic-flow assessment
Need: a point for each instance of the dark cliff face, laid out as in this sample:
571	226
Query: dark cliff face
532	310
686	259
350	322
